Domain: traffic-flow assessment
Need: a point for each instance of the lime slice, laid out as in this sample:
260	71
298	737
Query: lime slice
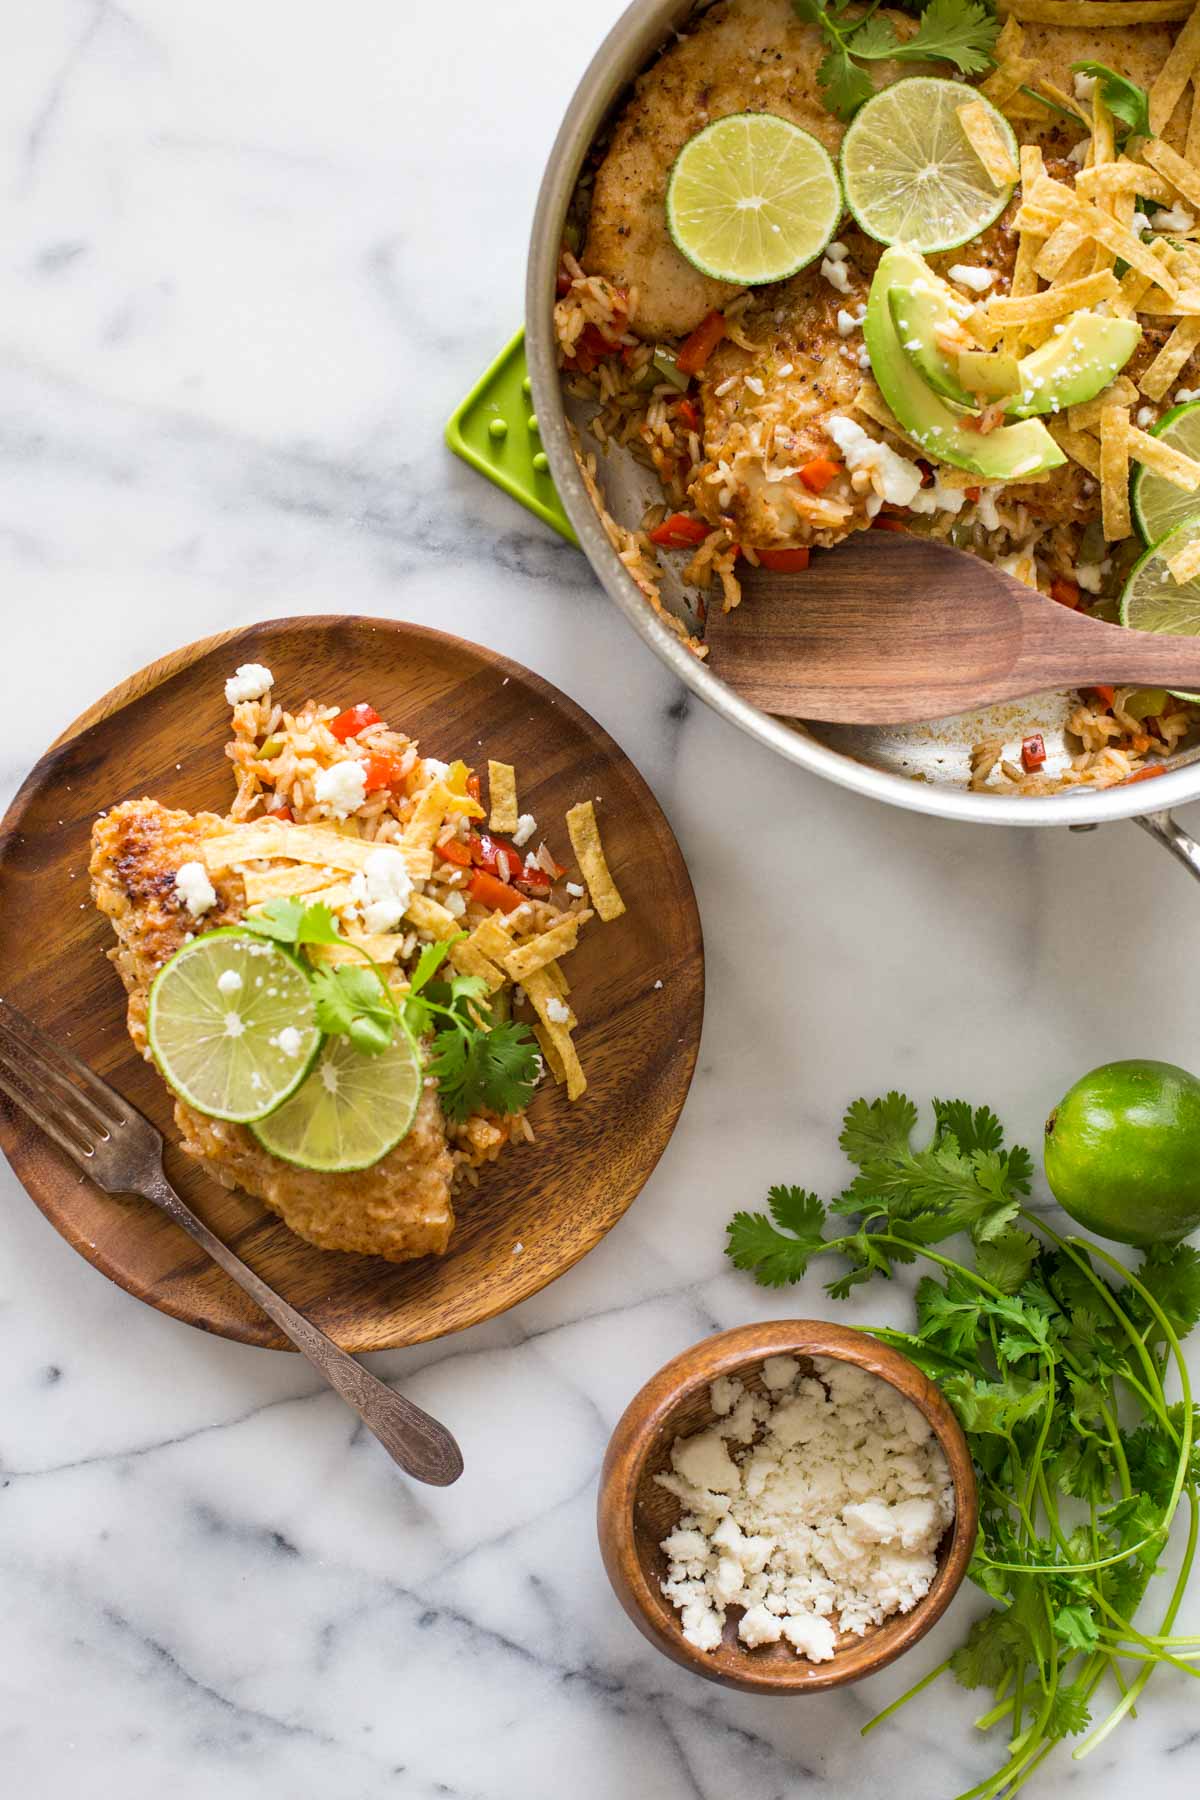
231	1024
1159	506
909	173
752	198
1153	600
351	1110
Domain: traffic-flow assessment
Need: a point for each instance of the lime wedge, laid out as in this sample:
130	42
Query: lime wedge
1159	506
351	1110
1154	601
231	1024
752	198
909	173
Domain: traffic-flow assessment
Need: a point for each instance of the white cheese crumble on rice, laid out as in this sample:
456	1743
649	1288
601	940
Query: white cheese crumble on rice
194	888
970	275
526	826
251	682
893	477
341	787
816	1507
387	888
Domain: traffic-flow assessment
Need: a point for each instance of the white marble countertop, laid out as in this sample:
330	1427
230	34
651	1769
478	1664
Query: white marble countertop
253	255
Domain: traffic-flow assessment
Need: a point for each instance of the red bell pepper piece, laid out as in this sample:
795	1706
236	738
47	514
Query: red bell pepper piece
454	851
1105	695
1065	592
493	893
1033	752
785	561
283	813
382	772
817	474
1145	774
689	412
680	532
887	522
697	349
348	724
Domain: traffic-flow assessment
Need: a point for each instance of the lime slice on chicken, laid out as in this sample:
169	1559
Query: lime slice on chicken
231	1024
352	1109
1154	601
752	198
909	173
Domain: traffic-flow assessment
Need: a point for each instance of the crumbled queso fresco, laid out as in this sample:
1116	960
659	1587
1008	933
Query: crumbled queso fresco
817	1507
195	889
251	682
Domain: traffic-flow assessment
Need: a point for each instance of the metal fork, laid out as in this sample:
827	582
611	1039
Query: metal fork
119	1149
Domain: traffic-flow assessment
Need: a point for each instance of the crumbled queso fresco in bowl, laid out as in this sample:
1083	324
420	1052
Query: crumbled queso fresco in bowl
817	1507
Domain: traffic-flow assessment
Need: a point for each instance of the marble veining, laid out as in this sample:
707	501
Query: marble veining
253	255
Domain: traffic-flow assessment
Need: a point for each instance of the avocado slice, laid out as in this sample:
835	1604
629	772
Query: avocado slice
943	431
1074	366
928	320
989	374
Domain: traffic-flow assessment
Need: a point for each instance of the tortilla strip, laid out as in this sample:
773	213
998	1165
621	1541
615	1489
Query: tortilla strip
502	796
1183	176
335	897
1185	564
549	1049
562	986
1171	358
1086	416
429	915
275	841
1064	241
1078	445
1135	285
1061	98
493	937
1191	150
560	940
1166	91
1052	303
1114	473
1182	471
1101	15
469	960
1124	177
381	947
1104	142
871	404
540	992
979	129
429	815
283	882
584	832
1053	200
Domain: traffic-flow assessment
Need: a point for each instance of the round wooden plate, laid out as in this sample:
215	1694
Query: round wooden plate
161	733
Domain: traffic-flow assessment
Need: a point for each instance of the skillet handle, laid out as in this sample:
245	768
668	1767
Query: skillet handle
1162	826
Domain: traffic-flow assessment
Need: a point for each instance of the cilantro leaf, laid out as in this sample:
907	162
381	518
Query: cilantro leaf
1171	1272
778	1249
352	1002
843	84
1076	1627
995	1644
977	1130
961	32
948	1316
292	922
877	1129
994	1407
1124	99
1069	1713
1005	1258
485	1070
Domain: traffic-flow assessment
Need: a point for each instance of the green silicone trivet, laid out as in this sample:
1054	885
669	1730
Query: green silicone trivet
495	430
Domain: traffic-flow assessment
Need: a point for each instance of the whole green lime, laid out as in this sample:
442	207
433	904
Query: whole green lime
1122	1152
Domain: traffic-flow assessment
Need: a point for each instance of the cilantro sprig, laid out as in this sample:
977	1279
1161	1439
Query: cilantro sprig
1128	103
1055	1358
480	1062
961	32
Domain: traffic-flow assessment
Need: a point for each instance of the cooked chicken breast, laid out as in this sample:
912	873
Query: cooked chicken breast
757	56
400	1208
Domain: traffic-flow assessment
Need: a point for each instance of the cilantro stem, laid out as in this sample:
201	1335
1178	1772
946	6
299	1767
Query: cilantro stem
910	1694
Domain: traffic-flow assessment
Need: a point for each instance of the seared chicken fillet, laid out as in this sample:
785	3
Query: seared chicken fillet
398	1209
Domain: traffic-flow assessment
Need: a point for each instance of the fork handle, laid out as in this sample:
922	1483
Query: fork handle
418	1443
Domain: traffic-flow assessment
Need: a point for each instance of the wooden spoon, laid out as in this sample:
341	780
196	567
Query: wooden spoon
888	629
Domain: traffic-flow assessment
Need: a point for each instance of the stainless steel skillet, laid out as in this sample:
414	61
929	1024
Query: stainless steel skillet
920	767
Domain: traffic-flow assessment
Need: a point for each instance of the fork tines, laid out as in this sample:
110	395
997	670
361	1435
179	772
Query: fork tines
60	1094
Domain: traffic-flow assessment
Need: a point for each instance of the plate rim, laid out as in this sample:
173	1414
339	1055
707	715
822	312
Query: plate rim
146	680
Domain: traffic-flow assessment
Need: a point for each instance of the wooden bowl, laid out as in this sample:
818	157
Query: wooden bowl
639	983
634	1513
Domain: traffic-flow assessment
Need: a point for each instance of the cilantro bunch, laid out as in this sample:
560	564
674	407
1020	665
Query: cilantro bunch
481	1062
961	32
1055	1359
